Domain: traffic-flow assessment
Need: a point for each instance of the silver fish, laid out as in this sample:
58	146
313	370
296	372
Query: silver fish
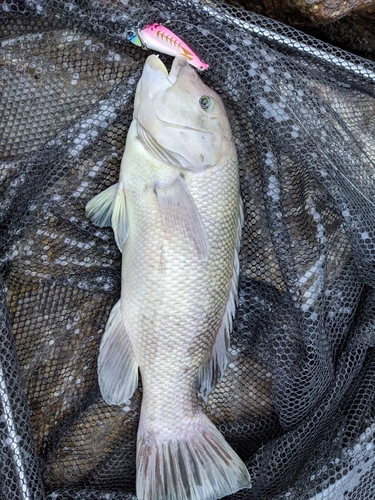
176	215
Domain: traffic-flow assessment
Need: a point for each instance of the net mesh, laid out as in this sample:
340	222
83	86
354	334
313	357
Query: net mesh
297	399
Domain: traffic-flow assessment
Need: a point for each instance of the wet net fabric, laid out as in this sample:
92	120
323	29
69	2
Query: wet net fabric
297	399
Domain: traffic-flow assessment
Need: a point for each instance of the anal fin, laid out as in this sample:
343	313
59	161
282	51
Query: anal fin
117	368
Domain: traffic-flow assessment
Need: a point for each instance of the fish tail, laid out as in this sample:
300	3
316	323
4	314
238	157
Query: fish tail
198	466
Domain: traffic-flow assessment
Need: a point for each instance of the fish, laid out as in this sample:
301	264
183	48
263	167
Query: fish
176	213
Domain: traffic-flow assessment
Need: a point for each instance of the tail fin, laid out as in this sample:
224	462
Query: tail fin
200	466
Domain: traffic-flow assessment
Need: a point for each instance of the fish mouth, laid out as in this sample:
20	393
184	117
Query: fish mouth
155	66
155	79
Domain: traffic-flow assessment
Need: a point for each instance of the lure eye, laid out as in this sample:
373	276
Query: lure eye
205	102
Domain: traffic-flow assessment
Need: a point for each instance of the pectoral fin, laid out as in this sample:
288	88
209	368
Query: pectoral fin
117	368
181	217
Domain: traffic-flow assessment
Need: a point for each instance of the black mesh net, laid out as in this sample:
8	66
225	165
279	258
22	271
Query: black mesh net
297	399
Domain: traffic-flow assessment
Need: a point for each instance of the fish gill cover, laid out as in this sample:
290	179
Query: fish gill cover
296	401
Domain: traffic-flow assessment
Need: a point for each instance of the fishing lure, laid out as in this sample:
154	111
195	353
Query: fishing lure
159	38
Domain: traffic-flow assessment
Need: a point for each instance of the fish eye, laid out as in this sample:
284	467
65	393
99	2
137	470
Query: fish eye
205	102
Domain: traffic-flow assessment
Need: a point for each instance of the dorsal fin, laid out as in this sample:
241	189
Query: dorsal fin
215	363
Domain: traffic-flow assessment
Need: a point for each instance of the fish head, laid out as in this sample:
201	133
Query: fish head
179	118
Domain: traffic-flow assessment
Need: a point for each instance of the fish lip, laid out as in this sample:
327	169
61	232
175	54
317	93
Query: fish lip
155	65
177	65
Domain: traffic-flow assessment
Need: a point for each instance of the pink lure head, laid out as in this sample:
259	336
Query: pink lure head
159	38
